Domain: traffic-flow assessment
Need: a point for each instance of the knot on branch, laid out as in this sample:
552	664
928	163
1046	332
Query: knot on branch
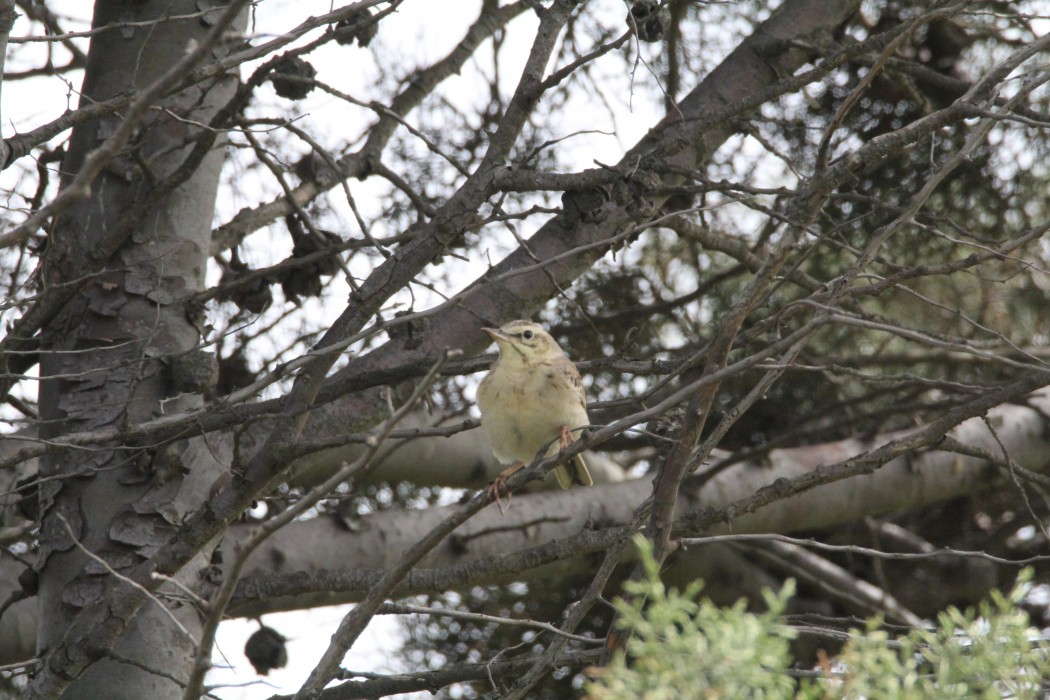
584	205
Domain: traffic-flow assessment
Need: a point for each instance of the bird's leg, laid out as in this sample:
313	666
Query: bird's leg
565	437
499	484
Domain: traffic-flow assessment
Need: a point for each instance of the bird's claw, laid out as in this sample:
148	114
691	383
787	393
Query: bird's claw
498	487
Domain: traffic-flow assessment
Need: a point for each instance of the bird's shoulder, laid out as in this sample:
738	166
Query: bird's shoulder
563	373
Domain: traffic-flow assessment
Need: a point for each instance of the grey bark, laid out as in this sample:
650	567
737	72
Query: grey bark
348	552
106	360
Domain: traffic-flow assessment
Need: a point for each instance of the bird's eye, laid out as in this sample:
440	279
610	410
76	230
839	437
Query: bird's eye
527	335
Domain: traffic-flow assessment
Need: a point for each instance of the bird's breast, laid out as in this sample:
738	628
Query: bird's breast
525	408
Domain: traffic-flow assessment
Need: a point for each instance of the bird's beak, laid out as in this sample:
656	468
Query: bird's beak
496	334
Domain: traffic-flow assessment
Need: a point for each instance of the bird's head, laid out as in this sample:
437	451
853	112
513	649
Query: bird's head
524	341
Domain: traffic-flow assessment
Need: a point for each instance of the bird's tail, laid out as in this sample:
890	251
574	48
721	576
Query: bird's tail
573	472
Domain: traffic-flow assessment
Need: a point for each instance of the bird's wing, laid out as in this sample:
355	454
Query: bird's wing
577	382
565	370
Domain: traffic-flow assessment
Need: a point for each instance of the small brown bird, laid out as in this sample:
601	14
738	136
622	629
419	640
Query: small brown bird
532	395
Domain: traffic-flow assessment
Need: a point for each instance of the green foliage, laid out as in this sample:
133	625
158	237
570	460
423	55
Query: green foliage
682	647
987	653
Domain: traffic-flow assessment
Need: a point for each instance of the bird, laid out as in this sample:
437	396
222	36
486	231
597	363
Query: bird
532	396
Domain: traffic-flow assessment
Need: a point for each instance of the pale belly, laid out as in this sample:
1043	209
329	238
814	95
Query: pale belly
520	437
517	435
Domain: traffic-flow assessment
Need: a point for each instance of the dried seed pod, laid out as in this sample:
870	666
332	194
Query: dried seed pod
357	26
254	296
286	74
301	282
651	19
266	650
195	372
309	241
234	373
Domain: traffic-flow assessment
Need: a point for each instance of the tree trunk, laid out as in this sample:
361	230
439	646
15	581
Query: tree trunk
109	356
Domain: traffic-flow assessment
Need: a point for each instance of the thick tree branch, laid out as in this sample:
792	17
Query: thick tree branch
545	533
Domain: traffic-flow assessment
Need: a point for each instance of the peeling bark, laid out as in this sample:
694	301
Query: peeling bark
106	359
